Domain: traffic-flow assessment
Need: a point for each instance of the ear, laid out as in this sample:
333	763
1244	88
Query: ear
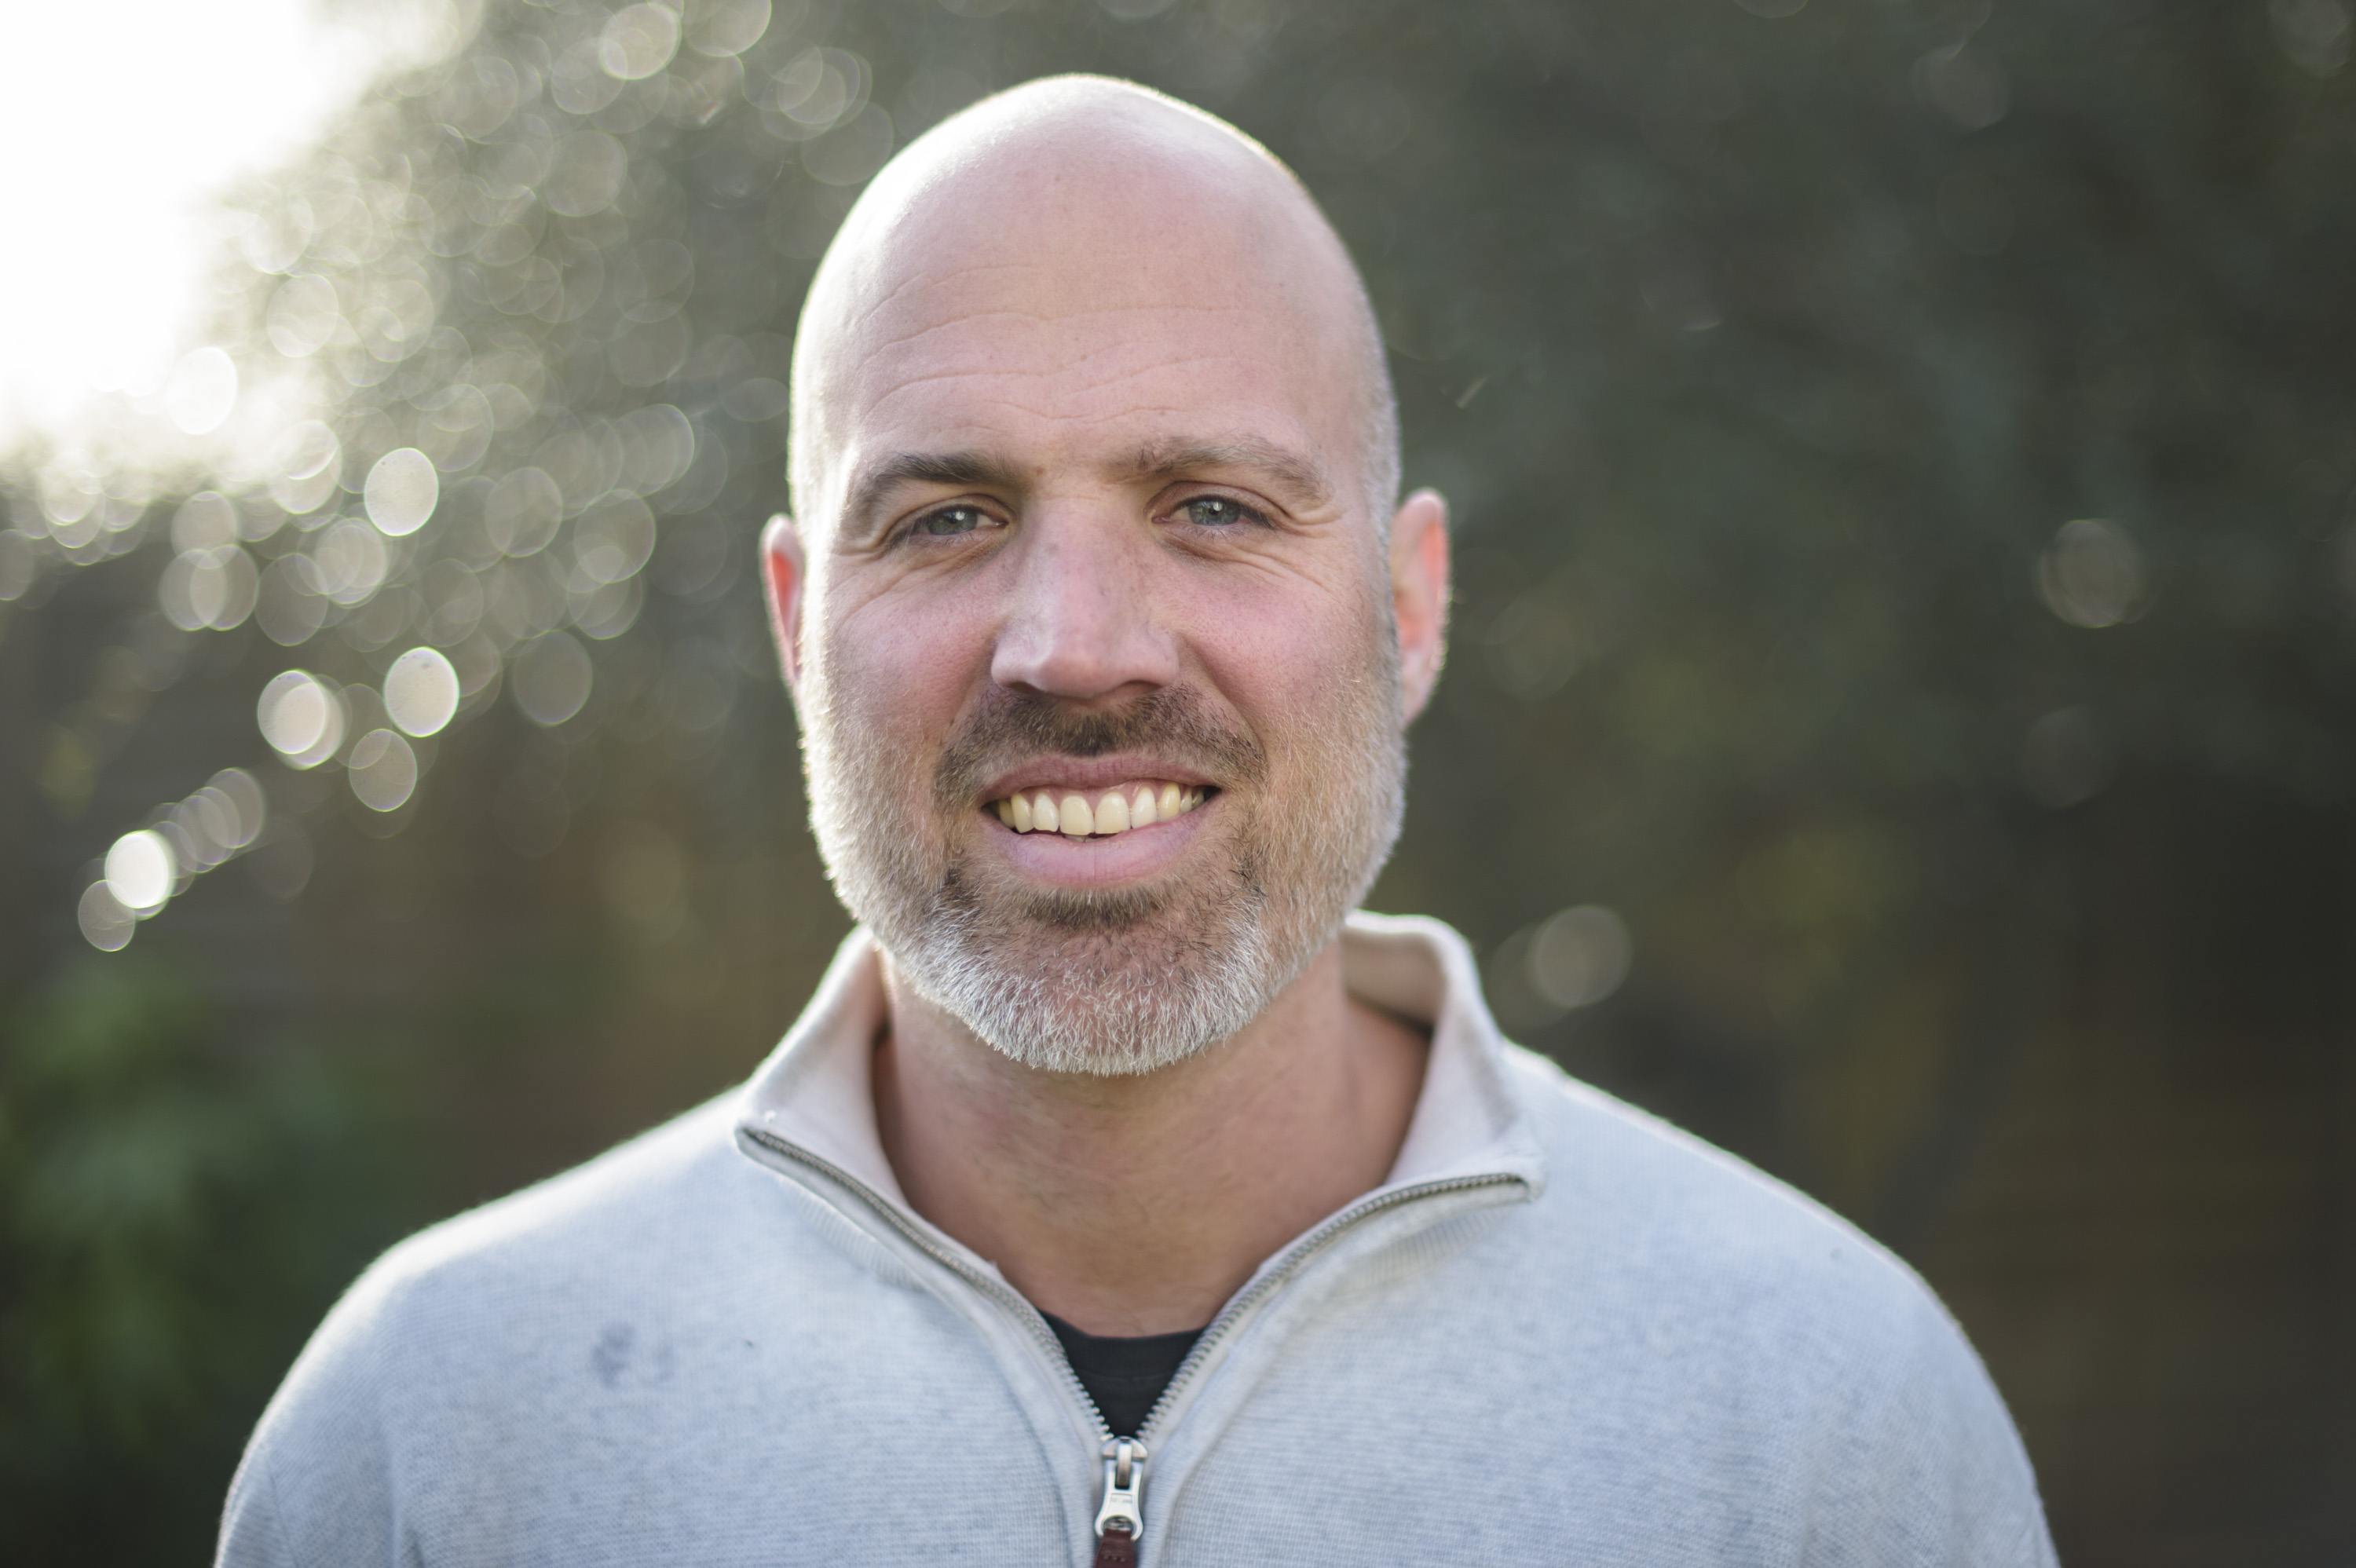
1419	594
782	577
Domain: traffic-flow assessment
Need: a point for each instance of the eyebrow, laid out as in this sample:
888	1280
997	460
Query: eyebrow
1291	471
874	486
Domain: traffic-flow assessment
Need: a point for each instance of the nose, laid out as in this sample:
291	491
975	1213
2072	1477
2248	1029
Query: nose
1081	623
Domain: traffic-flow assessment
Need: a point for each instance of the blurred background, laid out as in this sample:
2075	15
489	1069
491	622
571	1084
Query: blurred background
1899	724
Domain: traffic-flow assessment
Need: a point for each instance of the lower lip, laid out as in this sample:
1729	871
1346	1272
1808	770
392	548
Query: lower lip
1095	862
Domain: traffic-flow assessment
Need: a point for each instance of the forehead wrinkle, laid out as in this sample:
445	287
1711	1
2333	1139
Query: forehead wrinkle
857	320
913	280
1078	369
924	278
1044	408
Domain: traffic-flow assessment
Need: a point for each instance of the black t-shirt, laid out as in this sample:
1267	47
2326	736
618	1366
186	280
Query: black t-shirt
1124	1376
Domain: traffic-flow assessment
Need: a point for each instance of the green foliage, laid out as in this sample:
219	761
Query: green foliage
174	1213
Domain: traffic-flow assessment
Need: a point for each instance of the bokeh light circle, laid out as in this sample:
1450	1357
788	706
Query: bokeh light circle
550	679
420	692
2093	574
638	41
205	520
304	467
140	870
302	717
382	771
522	513
401	492
1580	956
105	924
722	28
241	792
211	590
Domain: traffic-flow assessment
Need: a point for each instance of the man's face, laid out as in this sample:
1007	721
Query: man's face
1093	538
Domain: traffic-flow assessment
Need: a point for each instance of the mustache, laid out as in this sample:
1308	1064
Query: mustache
1012	725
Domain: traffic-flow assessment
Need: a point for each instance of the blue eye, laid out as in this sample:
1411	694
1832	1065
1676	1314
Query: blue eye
1213	511
951	520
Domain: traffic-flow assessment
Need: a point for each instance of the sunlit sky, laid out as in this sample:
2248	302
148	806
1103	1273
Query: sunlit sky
122	123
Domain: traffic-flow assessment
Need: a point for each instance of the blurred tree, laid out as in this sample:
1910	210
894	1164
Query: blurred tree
177	1214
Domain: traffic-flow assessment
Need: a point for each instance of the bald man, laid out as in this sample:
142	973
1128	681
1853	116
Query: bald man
1121	1197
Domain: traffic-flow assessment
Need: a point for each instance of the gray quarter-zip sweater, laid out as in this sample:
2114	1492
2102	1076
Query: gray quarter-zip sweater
1561	1332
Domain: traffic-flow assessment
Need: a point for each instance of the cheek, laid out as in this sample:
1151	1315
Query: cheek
1293	659
902	674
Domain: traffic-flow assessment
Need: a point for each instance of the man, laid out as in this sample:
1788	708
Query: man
1120	1197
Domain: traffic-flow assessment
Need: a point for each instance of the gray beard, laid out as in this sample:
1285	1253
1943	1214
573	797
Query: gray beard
1129	980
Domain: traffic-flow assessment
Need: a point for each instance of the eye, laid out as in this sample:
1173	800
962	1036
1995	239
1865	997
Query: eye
951	520
1215	511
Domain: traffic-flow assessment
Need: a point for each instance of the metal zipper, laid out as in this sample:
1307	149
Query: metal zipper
1121	1523
1120	1520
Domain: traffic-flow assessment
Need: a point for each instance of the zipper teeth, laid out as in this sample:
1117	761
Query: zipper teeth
1003	1293
1294	1257
1006	1295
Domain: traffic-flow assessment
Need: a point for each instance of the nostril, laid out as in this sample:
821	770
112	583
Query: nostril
1107	657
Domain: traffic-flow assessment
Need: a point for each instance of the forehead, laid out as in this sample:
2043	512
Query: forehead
1055	312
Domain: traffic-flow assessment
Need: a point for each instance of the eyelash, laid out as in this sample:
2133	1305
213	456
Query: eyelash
915	529
1247	516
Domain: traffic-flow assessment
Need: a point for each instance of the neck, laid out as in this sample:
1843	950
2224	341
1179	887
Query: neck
1138	1205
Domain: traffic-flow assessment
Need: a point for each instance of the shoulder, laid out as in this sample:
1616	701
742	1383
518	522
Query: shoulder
1814	1341
1729	1266
650	1200
470	1293
652	1209
1668	1208
492	1322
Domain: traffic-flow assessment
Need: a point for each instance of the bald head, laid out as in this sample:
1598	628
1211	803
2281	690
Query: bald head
1080	249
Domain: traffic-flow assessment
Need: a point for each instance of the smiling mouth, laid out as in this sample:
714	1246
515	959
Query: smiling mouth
1099	813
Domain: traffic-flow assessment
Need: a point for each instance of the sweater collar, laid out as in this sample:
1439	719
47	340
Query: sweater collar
816	1091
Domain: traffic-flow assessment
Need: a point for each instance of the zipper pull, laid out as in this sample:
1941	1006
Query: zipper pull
1121	1523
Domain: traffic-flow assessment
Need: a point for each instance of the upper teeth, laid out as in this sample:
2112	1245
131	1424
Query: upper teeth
1078	815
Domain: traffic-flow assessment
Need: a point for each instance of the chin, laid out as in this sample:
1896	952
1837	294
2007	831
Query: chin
1104	982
